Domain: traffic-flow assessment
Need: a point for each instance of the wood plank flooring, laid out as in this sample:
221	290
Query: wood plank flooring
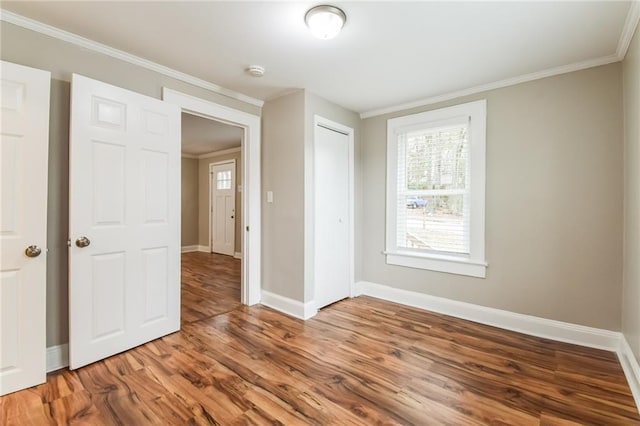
361	361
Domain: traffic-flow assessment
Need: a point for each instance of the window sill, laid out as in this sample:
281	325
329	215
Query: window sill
448	264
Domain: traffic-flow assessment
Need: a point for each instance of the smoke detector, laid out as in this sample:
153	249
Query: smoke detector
255	70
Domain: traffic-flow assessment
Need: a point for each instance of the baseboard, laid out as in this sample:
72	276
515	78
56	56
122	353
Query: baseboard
57	357
204	249
189	249
631	369
527	324
288	306
237	255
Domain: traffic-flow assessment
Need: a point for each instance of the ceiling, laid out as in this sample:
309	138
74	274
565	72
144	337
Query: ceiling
389	53
202	136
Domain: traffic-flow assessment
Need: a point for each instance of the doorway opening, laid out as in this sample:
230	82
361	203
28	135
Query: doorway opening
250	291
211	217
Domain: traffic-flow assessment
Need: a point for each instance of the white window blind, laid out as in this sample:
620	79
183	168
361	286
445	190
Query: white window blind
433	207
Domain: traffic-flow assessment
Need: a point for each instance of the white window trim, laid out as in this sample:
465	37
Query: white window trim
473	264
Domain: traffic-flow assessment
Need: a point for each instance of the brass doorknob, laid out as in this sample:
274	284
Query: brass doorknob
83	242
33	251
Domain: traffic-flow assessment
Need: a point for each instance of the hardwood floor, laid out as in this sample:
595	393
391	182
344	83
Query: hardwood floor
210	285
358	362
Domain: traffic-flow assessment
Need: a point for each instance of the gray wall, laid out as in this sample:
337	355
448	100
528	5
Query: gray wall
315	105
553	202
631	271
32	49
283	135
189	228
203	197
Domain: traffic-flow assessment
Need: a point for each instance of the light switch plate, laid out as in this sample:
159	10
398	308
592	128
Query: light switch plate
269	196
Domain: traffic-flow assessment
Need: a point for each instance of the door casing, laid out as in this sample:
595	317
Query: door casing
250	291
310	211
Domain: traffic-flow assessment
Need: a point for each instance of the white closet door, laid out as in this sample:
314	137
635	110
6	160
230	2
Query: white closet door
124	258
332	228
24	153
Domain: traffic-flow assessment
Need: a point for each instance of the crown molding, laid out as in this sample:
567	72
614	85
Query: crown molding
86	43
192	156
495	85
629	28
219	153
630	25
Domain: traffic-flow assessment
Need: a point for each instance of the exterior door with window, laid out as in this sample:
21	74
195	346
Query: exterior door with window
124	190
223	207
24	143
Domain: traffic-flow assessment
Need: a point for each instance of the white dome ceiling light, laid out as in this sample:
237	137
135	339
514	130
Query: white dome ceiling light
325	22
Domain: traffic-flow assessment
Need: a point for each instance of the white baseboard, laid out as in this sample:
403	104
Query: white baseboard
204	249
288	306
57	357
237	255
527	324
189	249
631	368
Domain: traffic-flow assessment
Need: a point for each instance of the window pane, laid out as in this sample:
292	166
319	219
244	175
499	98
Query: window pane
223	180
438	223
437	159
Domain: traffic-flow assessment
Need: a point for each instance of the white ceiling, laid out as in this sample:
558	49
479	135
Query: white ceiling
202	136
389	53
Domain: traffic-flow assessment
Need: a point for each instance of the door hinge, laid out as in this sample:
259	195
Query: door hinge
68	242
247	228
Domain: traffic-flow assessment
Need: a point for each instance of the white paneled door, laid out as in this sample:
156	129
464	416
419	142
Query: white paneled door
223	207
124	254
24	153
332	235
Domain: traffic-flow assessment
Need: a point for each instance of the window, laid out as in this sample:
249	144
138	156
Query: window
223	180
435	190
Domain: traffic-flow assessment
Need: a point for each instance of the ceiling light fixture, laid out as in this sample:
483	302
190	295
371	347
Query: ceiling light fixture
325	21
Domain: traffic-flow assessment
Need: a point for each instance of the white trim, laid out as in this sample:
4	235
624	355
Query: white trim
57	357
234	191
86	43
204	249
527	324
219	153
495	85
288	306
237	255
630	25
474	113
631	368
251	197
310	211
184	155
189	249
457	266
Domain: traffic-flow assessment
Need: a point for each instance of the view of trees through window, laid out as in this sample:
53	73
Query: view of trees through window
433	192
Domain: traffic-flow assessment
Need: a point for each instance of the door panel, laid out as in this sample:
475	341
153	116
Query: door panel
24	146
124	287
223	207
331	266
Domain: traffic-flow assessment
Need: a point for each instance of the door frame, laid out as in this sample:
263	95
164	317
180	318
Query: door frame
310	255
235	189
250	158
